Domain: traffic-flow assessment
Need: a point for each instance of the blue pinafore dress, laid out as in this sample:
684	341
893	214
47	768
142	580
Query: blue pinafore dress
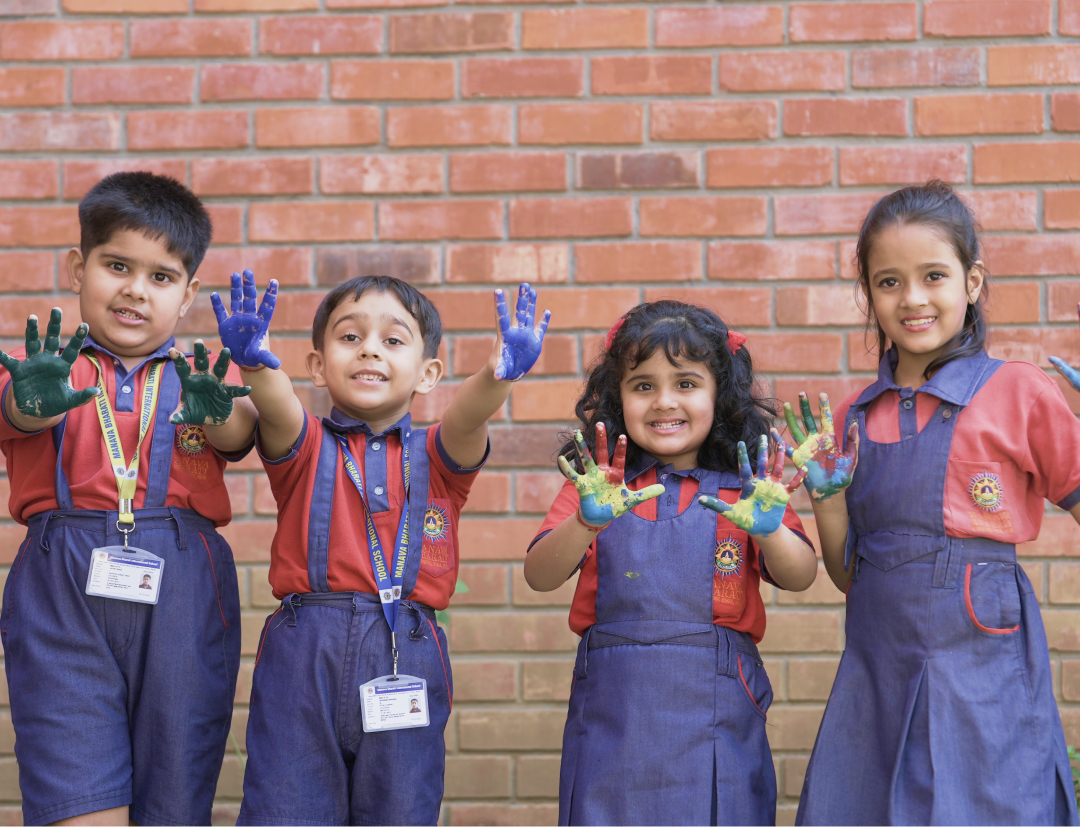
667	712
943	709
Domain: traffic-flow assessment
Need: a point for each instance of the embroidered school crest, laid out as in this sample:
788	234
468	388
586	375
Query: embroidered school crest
191	439
985	491
435	523
729	556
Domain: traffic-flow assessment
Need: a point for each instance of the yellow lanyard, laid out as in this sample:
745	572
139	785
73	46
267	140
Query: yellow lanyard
127	474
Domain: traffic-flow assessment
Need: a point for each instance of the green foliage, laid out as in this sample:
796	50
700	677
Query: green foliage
1074	758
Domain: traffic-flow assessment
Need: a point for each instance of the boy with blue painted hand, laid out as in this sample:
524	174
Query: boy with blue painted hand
366	550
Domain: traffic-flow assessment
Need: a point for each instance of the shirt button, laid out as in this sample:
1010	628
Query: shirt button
663	478
946	413
116	362
379	489
907	404
126	389
376	446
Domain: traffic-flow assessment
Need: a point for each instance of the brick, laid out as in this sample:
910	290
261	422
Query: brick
794	773
311	221
1033	255
322	35
782	71
571	309
56	40
1070	680
532	77
524	595
494	539
416	265
822	213
505	263
978	114
214	37
1034	345
486	583
527	815
743	306
546	680
60	131
1032	65
538	776
988	18
485	680
518	632
437	220
1062	298
291	266
1062	209
570	217
737	216
712	120
1062	629
787	166
585	28
863	165
1013	162
771	261
638	261
825	22
884	68
379	4
1069	17
549	400
433	33
797	353
652	75
380	174
392	80
811	680
800	631
261	81
508	172
19	8
126	6
845	116
228	220
252	176
1065	582
475	125
471	353
1059	536
682	28
580	123
490	493
818	305
29	180
1004	209
23	86
643	170
21	271
133	84
477	776
322	126
255	5
1065	111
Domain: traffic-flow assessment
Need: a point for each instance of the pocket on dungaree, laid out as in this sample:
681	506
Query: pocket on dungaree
992	597
755	681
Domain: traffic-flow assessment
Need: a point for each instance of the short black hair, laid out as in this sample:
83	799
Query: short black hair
419	305
157	206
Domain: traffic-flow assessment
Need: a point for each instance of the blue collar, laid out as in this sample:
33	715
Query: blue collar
161	353
955	383
648	461
341	423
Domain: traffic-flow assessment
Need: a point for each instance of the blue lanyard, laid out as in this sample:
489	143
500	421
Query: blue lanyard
387	578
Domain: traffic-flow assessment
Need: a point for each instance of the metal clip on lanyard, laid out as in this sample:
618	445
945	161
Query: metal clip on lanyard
389	583
127	474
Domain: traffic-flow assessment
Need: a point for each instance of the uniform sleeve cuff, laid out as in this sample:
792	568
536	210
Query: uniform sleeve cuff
452	466
1070	500
234	456
765	569
293	452
537	539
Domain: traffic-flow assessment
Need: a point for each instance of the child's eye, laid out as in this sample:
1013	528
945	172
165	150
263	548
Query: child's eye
686	384
350	337
643	386
888	282
394	340
118	267
162	278
937	275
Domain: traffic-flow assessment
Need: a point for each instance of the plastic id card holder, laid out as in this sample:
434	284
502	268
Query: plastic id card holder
394	704
125	574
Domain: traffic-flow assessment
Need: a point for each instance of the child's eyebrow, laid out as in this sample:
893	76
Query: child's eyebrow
387	317
156	267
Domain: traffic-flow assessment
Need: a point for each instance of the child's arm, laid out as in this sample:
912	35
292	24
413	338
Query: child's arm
603	495
463	430
759	511
205	399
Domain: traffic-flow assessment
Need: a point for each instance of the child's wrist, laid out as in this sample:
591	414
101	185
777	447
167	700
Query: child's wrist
595	529
246	369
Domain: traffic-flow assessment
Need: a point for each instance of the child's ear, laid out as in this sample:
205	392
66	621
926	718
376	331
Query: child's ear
975	279
76	266
430	374
189	296
316	367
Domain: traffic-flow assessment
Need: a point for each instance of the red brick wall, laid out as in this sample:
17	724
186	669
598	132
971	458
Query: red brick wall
611	153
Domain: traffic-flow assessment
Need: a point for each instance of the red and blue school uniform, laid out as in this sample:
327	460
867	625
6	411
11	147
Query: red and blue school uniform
667	712
943	707
309	759
116	703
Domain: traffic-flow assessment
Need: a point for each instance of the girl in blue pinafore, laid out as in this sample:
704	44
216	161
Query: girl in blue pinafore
943	708
667	711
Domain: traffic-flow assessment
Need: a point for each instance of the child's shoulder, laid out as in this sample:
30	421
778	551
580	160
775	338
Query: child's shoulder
1021	377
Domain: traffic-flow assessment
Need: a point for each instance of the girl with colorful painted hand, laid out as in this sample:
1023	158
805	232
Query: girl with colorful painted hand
943	708
667	711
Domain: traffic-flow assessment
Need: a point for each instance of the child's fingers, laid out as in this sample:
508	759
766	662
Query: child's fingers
234	391
807	415
183	369
745	474
502	314
853	442
85	395
74	345
567	469
618	465
796	481
202	358
221	366
33	341
583	452
793	426
52	332
219	308
601	445
269	301
778	465
541	328
9	363
522	309
236	294
714	504
250	293
762	457
825	409
649	492
1065	370
269	359
781	444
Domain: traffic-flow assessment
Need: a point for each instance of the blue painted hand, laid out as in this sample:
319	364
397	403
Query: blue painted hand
244	333
519	343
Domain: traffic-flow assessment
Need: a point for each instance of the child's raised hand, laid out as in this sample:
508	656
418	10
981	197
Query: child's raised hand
519	344
40	382
244	333
205	399
828	469
760	508
603	494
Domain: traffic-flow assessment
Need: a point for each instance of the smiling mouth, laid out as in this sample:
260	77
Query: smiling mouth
369	377
124	313
668	426
918	324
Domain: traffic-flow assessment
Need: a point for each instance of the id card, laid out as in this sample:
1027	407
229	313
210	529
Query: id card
125	574
394	704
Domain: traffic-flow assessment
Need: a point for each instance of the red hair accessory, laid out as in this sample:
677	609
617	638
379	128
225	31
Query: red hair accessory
611	333
735	340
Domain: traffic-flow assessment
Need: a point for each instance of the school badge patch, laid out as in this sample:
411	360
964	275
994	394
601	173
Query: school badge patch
191	439
435	523
729	556
985	491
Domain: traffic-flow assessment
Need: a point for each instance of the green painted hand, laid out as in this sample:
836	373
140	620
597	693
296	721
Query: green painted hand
828	469
601	489
40	382
205	399
760	508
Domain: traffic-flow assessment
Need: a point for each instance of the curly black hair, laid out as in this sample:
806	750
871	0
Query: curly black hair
685	332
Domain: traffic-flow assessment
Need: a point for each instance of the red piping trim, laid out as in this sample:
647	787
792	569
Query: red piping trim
11	606
747	688
446	677
971	610
214	572
262	643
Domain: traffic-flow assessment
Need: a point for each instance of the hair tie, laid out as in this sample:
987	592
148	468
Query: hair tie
735	340
611	333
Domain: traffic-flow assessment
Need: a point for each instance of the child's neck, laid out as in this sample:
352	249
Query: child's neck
377	421
911	369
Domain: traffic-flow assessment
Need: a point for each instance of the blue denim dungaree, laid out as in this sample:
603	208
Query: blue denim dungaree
942	711
667	713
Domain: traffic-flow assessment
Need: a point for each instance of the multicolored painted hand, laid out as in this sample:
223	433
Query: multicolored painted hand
205	399
40	382
760	508
603	493
828	469
519	344
1065	370
244	333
